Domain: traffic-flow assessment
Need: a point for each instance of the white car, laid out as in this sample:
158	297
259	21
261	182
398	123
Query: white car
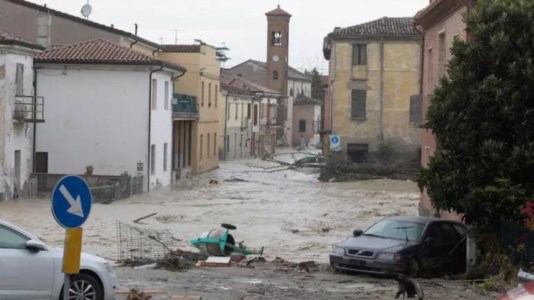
29	269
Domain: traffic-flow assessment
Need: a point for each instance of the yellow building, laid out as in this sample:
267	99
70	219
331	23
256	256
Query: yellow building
374	75
196	108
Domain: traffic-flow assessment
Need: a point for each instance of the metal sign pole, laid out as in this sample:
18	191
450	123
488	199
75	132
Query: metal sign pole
71	205
66	287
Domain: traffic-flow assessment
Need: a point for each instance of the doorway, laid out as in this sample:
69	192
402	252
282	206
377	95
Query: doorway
18	161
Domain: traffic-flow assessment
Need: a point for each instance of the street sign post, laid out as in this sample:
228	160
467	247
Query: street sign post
71	205
335	143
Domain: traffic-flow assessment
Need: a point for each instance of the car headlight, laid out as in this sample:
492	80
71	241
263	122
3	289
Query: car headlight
388	256
338	250
109	267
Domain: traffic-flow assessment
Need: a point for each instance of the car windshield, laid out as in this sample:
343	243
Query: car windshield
394	229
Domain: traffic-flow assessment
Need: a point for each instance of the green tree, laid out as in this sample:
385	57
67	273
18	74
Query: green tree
483	117
317	84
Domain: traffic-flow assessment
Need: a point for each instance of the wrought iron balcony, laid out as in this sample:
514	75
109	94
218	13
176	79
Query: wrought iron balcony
184	106
28	109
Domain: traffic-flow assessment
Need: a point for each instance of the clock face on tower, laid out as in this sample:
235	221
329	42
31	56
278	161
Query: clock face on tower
275	58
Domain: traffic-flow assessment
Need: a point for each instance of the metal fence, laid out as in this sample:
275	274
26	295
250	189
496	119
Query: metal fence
518	240
104	189
135	244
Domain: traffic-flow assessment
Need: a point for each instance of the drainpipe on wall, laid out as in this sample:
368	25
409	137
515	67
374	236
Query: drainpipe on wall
173	160
34	113
150	122
422	66
382	90
225	128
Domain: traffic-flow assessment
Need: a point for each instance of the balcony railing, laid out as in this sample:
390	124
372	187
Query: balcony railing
28	109
184	106
245	123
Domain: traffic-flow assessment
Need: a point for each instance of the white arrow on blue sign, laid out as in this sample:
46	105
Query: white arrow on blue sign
71	201
335	141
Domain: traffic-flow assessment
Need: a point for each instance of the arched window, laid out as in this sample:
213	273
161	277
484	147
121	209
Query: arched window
291	92
275	75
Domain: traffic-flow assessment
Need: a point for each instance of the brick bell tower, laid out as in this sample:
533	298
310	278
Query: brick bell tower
277	61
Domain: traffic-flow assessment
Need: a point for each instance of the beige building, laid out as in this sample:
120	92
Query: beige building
374	79
196	108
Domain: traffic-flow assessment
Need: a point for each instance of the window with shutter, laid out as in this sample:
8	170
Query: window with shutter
416	109
19	79
359	54
359	104
302	126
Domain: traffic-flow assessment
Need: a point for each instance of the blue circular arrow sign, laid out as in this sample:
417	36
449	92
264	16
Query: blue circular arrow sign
71	201
334	139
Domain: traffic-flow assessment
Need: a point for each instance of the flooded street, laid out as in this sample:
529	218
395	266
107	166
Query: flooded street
288	212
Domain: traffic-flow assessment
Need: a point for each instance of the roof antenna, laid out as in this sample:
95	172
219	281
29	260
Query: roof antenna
175	35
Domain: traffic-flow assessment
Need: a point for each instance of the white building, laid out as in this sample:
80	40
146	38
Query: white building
298	83
110	108
250	118
16	114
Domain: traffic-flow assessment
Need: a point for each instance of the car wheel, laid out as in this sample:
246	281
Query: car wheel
413	269
84	287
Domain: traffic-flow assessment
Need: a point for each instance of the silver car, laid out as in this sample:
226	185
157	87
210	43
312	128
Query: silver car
29	269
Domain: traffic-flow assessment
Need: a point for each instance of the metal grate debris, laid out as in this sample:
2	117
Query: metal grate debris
136	244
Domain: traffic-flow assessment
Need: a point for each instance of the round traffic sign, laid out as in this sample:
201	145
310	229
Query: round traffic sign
71	201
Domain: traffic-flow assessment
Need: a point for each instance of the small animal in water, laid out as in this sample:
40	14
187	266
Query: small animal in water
136	294
408	287
213	181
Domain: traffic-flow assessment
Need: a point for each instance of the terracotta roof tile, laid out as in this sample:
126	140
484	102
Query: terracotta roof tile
292	72
7	38
399	27
301	99
181	48
237	84
99	51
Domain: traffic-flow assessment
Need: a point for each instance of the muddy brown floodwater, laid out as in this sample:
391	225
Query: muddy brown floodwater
288	212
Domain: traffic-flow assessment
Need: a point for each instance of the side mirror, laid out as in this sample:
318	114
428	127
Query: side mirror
357	233
35	246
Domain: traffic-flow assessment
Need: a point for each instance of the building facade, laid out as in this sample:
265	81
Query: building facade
200	138
374	71
111	111
276	74
237	132
441	22
250	117
297	84
18	115
46	27
306	121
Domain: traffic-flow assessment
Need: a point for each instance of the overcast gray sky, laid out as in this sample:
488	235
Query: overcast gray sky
240	24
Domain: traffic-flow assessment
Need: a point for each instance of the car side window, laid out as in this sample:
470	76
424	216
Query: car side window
10	239
460	230
434	232
449	233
